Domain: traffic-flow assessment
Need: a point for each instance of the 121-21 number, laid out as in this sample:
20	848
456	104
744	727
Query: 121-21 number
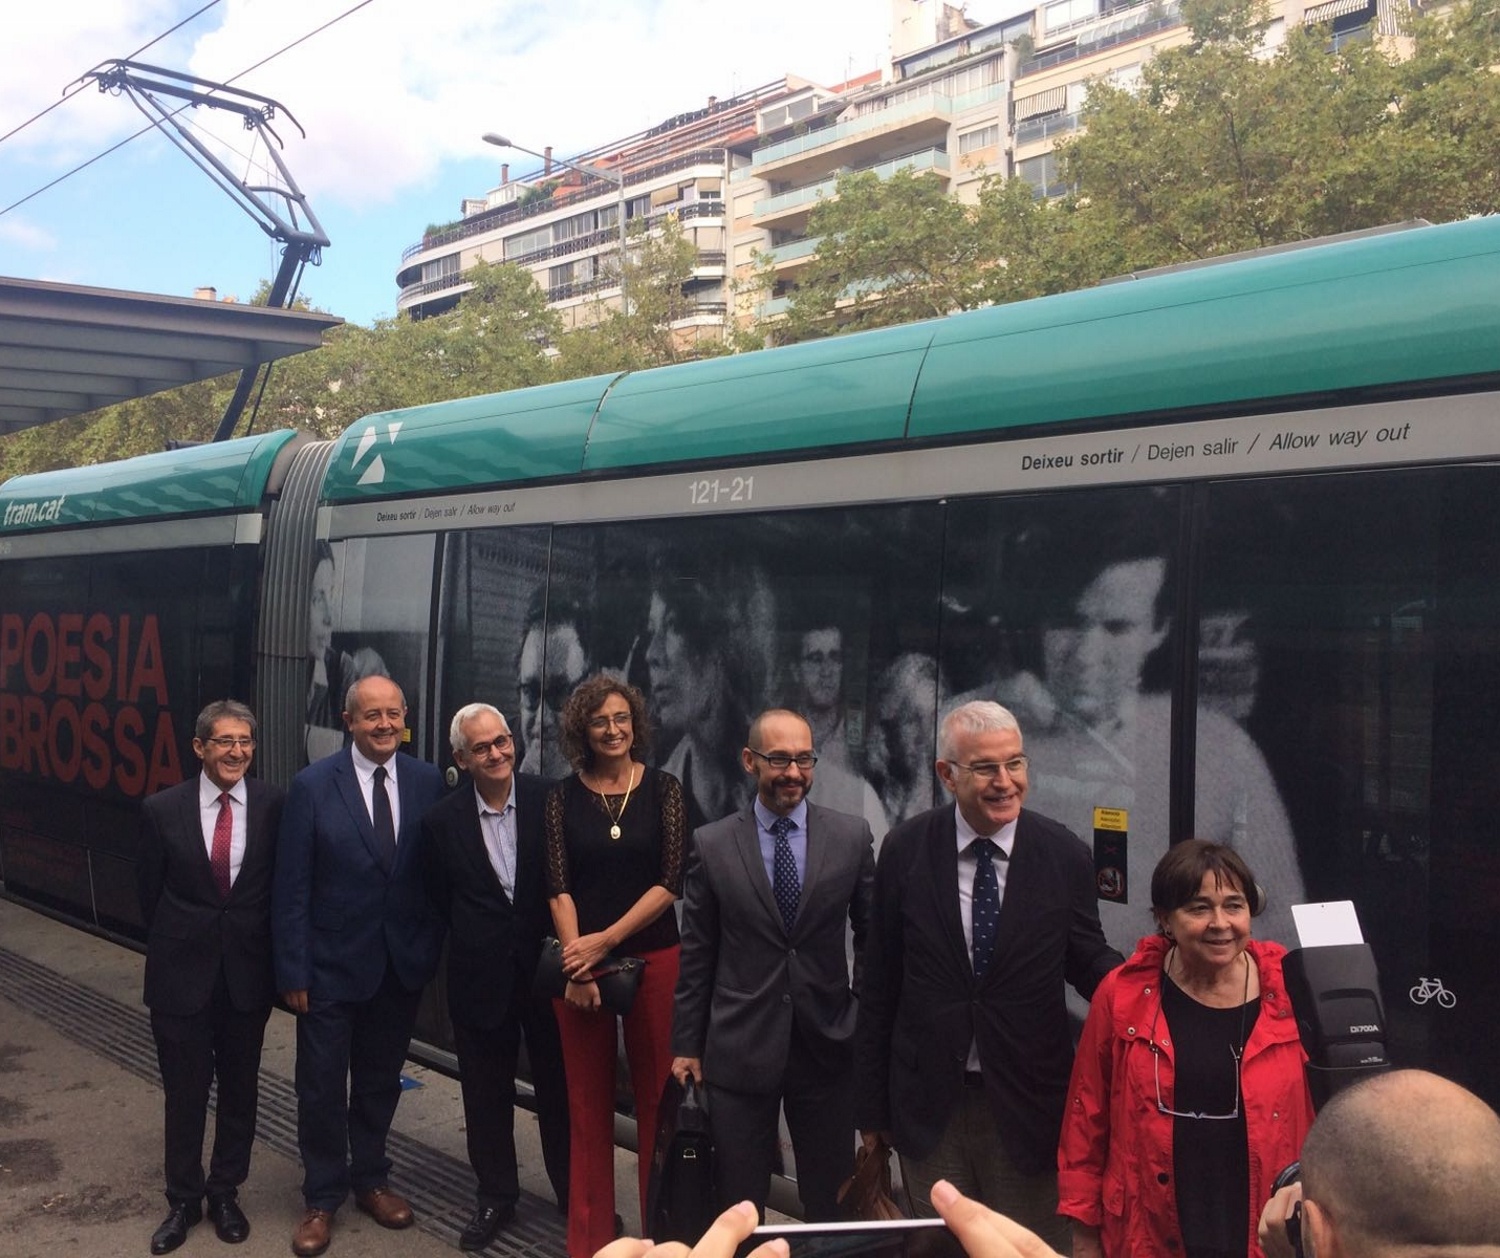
710	493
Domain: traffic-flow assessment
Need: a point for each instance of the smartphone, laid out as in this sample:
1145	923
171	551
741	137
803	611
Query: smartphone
898	1238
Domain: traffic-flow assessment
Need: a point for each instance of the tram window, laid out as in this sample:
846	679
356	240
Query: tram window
1059	607
831	611
1336	581
369	608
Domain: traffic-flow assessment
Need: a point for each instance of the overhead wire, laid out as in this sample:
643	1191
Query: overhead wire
74	88
82	166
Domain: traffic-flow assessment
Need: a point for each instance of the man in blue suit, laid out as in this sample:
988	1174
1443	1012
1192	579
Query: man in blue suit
355	941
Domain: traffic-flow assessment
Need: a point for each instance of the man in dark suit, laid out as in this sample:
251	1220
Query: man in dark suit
355	939
484	855
763	1012
982	911
207	851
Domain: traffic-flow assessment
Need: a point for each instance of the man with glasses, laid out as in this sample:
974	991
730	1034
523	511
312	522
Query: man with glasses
764	1013
207	852
484	851
983	911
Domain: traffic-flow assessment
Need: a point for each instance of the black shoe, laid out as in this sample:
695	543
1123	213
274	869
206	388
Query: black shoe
485	1224
174	1228
230	1223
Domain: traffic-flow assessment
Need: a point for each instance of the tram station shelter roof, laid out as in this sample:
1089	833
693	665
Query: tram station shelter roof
66	350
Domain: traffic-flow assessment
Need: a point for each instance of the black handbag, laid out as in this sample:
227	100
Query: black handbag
617	977
680	1200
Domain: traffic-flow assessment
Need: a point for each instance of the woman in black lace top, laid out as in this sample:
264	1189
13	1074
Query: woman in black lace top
616	838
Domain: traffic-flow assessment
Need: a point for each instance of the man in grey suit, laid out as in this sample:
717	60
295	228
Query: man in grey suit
764	1013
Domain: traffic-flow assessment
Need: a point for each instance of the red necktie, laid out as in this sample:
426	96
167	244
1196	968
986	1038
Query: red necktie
218	859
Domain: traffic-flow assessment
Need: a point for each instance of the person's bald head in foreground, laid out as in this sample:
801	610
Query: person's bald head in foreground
1404	1163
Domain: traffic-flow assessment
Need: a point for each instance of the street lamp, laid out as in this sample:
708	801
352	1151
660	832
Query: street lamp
615	177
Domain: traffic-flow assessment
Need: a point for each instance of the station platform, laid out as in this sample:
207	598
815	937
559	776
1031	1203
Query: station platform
81	1126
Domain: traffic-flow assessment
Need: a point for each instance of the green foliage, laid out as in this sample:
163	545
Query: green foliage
1219	149
658	281
890	251
496	339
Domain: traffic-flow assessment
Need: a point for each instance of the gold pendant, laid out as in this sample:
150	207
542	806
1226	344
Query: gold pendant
614	832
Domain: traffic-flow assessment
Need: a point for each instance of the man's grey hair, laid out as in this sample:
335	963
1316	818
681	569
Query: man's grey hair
463	716
979	716
222	710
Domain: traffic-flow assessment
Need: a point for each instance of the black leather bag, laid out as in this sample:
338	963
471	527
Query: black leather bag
680	1200
617	977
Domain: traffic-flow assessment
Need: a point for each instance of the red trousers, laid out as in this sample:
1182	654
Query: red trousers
589	1054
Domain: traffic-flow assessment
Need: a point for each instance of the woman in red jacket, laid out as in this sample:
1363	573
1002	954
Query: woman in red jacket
1188	1092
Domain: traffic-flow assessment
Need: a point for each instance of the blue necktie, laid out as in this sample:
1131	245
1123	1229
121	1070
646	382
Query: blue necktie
785	886
986	905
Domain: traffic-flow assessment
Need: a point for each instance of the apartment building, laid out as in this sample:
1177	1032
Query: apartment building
960	100
563	224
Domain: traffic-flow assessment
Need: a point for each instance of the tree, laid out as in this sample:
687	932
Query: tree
890	251
497	338
658	268
1224	148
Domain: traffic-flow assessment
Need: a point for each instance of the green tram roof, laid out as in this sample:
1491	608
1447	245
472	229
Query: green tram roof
226	476
1415	305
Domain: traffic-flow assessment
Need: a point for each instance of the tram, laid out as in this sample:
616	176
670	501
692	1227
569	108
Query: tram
1226	539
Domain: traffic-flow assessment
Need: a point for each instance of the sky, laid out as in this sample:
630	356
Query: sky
393	98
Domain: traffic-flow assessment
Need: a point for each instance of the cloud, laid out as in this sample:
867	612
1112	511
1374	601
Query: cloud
26	235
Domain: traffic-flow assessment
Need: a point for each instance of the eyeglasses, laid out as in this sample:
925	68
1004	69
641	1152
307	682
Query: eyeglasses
620	720
481	751
989	770
804	761
225	743
1161	1107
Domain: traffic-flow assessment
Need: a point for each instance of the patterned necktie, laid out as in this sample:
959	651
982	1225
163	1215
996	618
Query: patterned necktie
785	886
385	822
218	858
986	919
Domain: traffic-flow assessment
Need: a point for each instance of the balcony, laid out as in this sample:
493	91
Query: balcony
798	251
1040	128
859	140
788	207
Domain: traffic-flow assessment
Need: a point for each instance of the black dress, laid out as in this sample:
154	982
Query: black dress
607	876
1211	1155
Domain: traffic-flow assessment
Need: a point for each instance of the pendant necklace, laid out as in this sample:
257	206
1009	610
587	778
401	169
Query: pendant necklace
614	817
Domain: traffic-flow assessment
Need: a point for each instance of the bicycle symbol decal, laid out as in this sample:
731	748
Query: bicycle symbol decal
1430	988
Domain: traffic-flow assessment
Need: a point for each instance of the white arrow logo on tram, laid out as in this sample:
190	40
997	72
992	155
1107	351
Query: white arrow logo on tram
375	473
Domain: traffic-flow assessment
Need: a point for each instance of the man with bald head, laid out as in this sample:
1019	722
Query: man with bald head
1403	1164
764	1012
355	940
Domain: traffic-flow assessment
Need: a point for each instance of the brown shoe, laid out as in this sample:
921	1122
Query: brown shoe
311	1236
387	1208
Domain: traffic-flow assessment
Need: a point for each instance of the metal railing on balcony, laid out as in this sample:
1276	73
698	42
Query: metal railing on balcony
491	220
1041	128
1148	19
922	106
707	259
927	159
792	252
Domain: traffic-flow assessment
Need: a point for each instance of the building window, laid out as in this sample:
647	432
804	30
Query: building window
1063	13
1043	174
528	242
444	268
983	138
